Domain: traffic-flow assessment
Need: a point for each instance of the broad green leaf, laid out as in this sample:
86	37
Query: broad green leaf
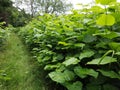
75	86
71	61
109	87
83	72
105	60
105	2
86	54
110	74
106	20
61	77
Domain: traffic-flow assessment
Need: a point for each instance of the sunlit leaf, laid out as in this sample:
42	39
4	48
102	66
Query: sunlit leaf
105	20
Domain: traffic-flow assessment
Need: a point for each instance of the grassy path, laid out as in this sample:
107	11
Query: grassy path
17	64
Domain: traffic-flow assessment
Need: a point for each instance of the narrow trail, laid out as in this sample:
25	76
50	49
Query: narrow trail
18	66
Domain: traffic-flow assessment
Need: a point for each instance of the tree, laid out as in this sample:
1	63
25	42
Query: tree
53	6
11	14
44	6
4	10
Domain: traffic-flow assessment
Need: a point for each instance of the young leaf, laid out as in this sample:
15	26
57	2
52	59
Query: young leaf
110	74
71	61
105	60
86	54
106	20
83	72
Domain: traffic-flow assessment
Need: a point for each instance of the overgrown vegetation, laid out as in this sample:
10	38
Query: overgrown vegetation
78	51
81	50
2	35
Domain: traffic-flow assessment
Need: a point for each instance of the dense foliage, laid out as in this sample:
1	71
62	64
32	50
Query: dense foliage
81	50
2	34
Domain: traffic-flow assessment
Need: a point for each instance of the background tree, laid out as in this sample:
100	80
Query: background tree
4	10
44	6
11	14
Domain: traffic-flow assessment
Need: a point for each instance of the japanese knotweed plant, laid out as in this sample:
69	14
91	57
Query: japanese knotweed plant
80	51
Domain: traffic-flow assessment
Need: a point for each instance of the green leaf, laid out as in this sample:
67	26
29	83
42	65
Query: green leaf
71	61
110	74
83	72
106	20
105	60
75	86
86	54
61	77
104	2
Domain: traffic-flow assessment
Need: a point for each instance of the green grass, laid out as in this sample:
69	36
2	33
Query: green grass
19	70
